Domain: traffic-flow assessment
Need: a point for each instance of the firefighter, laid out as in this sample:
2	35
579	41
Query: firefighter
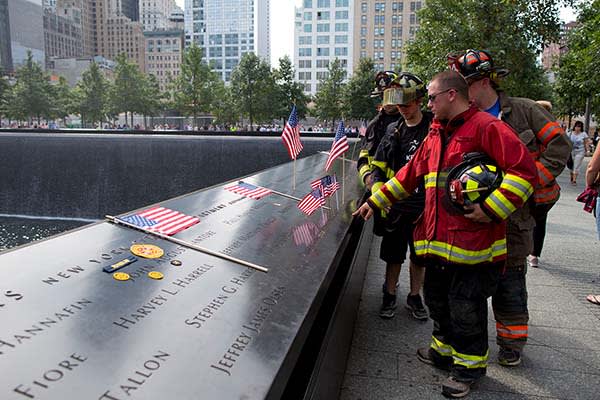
396	148
464	249
549	147
376	128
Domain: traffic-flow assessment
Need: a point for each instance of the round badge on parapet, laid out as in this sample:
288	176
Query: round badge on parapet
121	276
176	263
155	275
147	250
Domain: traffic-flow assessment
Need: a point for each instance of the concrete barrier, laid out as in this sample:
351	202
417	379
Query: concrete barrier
90	175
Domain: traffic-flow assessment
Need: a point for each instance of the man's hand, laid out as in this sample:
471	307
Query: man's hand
365	211
369	181
475	213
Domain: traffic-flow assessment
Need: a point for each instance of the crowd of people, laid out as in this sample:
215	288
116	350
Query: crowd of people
465	189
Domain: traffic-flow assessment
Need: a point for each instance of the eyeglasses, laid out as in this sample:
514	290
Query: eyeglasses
432	97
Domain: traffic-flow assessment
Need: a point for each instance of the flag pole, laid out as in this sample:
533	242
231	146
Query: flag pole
287	195
118	221
294	180
343	178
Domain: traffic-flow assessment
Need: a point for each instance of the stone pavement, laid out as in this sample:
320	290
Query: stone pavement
561	360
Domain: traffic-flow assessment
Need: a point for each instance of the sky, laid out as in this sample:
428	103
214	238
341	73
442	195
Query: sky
282	26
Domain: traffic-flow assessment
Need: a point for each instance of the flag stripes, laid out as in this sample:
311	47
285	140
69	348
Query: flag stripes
161	220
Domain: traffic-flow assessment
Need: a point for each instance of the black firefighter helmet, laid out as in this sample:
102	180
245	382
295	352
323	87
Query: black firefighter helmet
472	180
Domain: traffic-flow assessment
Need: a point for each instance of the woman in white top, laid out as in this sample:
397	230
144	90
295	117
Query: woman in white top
581	143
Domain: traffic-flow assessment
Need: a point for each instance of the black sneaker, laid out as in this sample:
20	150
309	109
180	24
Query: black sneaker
415	305
388	306
456	389
509	357
428	356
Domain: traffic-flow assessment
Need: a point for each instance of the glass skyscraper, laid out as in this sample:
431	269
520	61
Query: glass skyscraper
228	29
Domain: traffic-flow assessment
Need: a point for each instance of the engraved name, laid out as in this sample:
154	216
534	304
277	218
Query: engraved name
42	325
137	378
48	379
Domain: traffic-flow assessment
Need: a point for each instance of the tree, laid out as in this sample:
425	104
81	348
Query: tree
358	103
127	91
225	108
92	95
512	30
194	88
578	75
31	93
153	100
253	86
63	99
328	100
289	91
5	93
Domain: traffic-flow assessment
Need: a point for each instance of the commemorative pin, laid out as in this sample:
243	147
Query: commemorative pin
121	276
120	264
155	275
147	250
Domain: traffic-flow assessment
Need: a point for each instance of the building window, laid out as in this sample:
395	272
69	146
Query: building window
341	27
322	39
304	52
307	16
323	27
322	15
322	51
305	40
341	39
322	63
363	20
341	3
307	4
363	31
341	15
307	27
304	63
379	7
323	3
341	51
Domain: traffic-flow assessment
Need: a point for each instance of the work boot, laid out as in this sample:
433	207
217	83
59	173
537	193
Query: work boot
429	356
456	389
415	305
388	306
509	357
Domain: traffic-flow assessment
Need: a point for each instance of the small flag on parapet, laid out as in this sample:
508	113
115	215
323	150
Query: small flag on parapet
312	201
362	131
338	147
291	135
161	220
249	190
328	185
306	233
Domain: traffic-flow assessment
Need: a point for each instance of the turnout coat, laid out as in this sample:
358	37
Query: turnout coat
442	231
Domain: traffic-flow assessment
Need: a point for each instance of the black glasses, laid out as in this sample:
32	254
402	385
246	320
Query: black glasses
432	97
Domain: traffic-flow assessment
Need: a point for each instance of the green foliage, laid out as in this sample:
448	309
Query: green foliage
358	103
328	100
578	76
512	30
31	95
253	86
5	93
63	97
195	87
225	108
92	95
127	91
288	91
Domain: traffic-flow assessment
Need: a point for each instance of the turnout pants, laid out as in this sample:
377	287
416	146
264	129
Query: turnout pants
510	308
457	299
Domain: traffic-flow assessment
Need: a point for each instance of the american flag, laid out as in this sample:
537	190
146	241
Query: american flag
161	220
362	130
248	190
328	184
311	202
306	233
339	146
291	135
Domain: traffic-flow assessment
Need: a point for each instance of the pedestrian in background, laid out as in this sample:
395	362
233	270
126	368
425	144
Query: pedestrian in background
581	143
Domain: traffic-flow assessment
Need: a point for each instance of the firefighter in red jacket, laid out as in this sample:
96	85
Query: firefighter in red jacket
550	148
464	250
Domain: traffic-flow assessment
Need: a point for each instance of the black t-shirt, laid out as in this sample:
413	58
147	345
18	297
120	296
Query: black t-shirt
397	148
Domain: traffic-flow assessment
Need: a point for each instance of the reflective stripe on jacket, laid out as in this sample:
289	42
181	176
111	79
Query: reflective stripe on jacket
442	232
369	143
544	138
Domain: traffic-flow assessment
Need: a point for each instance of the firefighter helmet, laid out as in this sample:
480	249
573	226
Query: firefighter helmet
475	64
472	180
383	80
404	89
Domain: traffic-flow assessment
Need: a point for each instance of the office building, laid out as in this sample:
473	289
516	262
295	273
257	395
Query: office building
62	36
323	32
155	14
228	29
25	23
163	54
